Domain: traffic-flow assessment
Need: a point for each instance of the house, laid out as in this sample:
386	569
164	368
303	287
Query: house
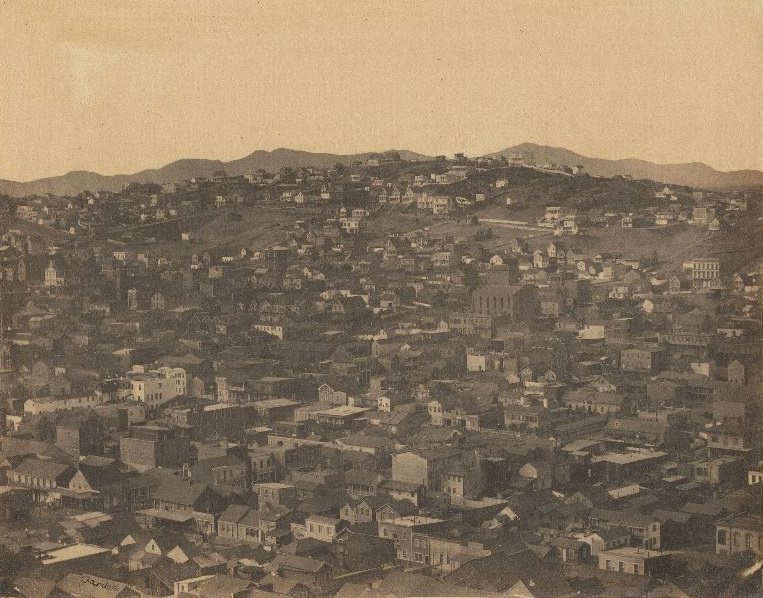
226	469
664	218
224	586
228	523
87	585
729	438
314	573
633	561
642	359
462	483
735	373
362	510
570	550
739	533
359	483
182	504
536	418
320	528
546	474
424	467
442	205
45	478
607	539
275	494
264	526
643	529
596	402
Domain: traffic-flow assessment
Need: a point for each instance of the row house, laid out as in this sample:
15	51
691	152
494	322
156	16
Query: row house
43	477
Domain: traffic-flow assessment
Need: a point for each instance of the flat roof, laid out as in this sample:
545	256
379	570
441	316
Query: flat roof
626	458
635	551
74	551
411	520
275	403
180	517
218	406
343	411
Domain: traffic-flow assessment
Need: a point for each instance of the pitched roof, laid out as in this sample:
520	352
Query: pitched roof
42	468
84	584
178	491
502	571
204	467
234	513
299	563
223	585
364	478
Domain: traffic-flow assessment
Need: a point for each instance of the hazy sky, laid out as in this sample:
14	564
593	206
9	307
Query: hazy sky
118	87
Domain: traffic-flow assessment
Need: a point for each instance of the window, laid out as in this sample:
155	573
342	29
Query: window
735	539
621	566
748	541
635	569
404	554
722	537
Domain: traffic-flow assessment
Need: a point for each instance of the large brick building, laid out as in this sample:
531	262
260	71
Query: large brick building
517	302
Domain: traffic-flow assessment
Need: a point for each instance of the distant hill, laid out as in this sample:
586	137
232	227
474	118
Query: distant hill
73	183
692	174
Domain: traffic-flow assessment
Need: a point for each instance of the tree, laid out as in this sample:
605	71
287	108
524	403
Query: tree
45	430
407	294
287	174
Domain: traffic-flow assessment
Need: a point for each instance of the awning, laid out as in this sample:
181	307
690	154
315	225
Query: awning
78	494
168	515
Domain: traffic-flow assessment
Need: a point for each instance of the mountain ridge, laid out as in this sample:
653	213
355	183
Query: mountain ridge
692	174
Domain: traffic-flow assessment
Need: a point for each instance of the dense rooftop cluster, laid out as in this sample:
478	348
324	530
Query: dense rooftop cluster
389	378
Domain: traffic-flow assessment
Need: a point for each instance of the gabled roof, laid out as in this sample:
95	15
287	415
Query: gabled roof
298	563
84	584
234	513
183	492
363	478
43	468
224	585
205	466
502	571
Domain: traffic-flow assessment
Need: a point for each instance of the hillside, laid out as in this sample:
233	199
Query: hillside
693	174
76	182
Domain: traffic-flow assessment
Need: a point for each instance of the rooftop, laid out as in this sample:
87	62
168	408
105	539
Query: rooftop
627	458
71	552
344	411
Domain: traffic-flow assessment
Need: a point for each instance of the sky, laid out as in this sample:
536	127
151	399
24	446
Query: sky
117	87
